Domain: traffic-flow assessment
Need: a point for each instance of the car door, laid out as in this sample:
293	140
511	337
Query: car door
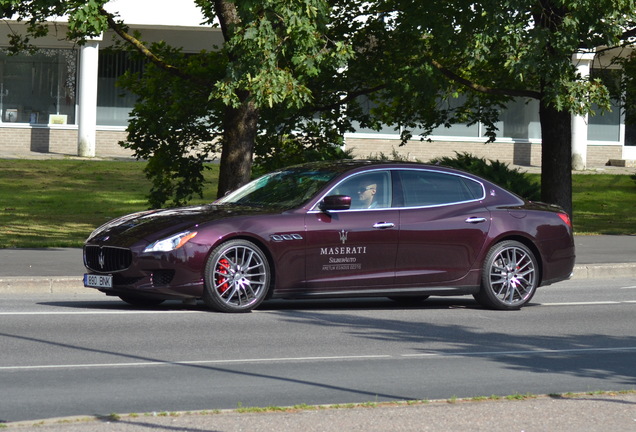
353	250
443	227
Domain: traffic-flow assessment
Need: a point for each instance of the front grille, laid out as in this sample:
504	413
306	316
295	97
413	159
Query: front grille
107	259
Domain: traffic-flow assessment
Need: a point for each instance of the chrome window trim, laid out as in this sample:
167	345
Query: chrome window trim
315	208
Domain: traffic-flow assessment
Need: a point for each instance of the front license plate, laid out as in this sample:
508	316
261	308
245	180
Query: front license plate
98	281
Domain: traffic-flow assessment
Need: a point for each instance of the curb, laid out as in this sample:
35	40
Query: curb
75	284
605	271
42	285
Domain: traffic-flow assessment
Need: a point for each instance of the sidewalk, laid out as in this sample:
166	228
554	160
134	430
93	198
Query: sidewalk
60	270
572	413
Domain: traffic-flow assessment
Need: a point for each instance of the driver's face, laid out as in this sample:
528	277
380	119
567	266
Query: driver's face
366	193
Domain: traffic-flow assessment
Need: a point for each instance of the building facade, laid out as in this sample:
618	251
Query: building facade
63	99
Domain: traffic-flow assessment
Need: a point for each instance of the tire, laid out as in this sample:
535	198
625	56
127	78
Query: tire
237	277
134	300
510	276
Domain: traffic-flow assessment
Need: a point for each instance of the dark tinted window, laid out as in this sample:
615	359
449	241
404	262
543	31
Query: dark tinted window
367	190
288	188
428	188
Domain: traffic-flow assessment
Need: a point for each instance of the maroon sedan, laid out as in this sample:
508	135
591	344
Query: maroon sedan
348	229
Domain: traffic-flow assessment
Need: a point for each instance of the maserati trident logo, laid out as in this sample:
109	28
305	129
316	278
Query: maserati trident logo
343	236
101	260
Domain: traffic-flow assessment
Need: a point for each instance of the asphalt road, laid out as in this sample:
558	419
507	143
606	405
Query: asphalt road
89	355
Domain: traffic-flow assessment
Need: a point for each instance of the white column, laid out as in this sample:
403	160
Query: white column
87	98
582	61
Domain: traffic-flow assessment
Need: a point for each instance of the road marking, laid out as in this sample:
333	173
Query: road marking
584	303
226	362
195	362
521	352
105	312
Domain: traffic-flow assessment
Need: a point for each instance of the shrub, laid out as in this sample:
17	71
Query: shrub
495	171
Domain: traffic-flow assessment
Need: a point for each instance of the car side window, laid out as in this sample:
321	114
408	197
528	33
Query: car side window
430	188
367	190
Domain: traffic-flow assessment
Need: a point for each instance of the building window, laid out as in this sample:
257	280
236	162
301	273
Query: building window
38	88
367	106
605	126
114	103
520	120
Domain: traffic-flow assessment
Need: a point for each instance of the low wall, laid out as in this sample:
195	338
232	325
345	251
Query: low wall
19	139
524	154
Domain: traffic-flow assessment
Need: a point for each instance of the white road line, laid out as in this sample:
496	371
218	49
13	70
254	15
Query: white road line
522	352
104	312
226	362
194	362
583	303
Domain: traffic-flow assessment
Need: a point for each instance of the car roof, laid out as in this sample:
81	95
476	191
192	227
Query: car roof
353	165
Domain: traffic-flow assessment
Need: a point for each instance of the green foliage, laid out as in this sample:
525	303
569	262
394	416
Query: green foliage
174	124
276	47
416	66
84	19
495	171
288	150
478	55
189	106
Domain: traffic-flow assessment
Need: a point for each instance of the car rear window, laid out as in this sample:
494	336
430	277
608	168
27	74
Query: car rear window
430	188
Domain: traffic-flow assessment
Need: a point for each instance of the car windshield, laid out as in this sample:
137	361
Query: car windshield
288	189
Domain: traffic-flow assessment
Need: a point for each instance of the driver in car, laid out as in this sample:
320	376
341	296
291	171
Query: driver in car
366	194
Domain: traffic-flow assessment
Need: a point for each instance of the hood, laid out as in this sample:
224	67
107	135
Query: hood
151	225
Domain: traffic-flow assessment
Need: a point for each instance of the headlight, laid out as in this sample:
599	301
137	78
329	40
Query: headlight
171	243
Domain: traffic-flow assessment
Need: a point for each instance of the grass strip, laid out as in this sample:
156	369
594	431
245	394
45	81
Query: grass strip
57	203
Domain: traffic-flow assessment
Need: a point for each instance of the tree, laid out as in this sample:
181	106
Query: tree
270	50
417	65
438	62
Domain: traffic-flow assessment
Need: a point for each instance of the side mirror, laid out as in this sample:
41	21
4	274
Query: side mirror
335	202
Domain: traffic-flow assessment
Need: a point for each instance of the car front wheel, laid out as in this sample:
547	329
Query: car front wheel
237	277
510	276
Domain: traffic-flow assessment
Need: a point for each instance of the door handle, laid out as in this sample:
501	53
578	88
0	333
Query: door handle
384	225
475	220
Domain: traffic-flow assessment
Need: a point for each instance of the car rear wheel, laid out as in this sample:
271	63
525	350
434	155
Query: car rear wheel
237	277
510	276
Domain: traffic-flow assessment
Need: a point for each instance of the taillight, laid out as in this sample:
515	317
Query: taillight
566	218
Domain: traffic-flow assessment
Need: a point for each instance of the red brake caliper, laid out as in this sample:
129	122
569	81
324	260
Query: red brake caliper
222	271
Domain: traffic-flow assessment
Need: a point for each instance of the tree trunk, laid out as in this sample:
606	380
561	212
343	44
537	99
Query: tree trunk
556	157
240	129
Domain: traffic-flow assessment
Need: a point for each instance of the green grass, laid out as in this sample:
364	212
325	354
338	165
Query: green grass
604	204
57	203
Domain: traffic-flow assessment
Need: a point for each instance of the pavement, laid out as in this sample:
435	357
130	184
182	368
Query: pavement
59	271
